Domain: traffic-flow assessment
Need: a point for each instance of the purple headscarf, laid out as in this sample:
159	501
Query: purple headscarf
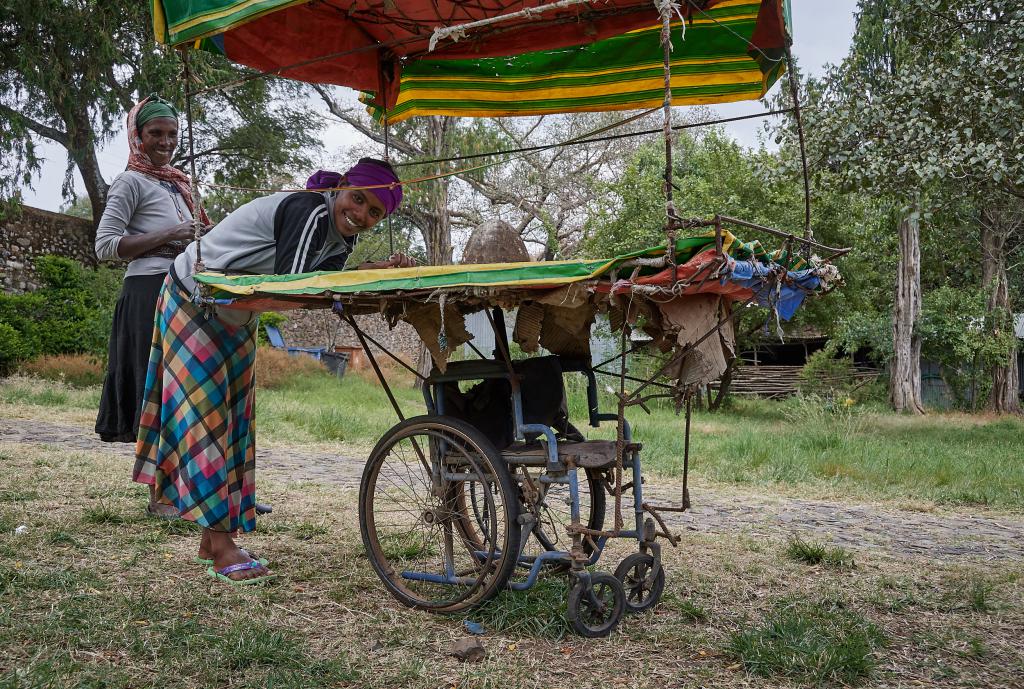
324	179
366	173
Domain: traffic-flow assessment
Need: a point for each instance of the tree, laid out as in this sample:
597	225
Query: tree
928	107
70	71
544	194
860	128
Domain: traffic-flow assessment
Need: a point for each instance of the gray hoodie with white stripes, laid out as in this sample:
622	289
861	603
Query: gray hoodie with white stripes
284	233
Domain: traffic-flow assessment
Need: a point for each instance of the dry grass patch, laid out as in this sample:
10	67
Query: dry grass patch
78	370
276	368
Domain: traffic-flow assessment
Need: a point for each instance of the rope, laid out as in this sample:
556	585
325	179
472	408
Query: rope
599	139
387	159
458	31
666	7
578	141
197	224
429	178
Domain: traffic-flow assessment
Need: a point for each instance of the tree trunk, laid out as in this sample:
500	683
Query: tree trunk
724	383
905	373
437	235
436	227
1006	375
83	152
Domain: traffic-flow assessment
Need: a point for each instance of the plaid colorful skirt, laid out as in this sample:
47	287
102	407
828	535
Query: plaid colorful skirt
197	437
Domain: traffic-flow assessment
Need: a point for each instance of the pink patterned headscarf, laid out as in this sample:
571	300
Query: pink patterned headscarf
139	161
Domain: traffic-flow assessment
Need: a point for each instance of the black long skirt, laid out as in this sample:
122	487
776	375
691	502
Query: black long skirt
127	359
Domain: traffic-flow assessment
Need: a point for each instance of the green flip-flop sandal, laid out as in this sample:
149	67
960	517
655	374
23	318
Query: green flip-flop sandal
222	574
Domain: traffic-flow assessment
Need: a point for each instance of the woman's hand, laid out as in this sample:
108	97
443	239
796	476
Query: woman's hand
183	233
131	246
398	260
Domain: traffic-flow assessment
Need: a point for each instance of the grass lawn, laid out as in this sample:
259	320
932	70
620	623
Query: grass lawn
94	594
798	447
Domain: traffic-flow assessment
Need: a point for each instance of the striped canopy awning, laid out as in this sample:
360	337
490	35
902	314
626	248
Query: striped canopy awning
592	55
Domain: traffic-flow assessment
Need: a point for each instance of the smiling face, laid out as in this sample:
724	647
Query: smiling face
160	139
357	210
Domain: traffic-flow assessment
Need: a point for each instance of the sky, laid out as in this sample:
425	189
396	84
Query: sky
822	30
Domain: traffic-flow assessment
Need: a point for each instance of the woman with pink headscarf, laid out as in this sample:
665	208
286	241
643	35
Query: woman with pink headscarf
196	443
147	221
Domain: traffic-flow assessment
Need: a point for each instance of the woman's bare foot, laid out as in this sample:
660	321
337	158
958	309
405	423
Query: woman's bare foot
206	550
160	509
225	554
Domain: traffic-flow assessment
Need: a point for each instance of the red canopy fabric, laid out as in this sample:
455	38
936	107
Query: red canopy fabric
371	35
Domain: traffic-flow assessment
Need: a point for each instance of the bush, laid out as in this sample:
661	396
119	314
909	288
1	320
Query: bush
71	314
824	373
13	348
59	272
272	319
78	370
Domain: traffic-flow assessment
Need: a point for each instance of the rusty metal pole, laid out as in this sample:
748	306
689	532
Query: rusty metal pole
795	95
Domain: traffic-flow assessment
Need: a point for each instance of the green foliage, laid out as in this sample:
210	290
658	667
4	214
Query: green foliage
716	174
13	348
825	373
71	314
814	642
270	319
936	88
957	332
59	272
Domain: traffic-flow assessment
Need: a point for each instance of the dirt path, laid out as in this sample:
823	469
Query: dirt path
944	536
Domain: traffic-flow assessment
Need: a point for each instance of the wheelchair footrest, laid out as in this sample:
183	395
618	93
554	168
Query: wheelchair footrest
589	454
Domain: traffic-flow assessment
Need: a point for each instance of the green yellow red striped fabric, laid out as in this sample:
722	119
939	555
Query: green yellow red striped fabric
711	63
724	51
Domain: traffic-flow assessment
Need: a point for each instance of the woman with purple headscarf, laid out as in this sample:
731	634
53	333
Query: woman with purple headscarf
197	443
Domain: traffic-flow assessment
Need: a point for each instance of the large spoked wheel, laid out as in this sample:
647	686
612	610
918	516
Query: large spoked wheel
550	529
413	523
643	585
595	607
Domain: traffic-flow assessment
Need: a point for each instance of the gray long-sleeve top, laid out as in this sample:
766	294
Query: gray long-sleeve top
137	204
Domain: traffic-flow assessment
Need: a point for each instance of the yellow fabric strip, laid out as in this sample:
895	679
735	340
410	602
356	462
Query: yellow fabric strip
470	111
414	91
481	79
159	21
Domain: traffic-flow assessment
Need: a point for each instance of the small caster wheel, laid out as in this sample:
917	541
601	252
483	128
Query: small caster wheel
643	586
596	606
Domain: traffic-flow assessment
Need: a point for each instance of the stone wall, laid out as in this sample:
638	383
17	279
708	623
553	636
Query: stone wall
35	233
321	328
